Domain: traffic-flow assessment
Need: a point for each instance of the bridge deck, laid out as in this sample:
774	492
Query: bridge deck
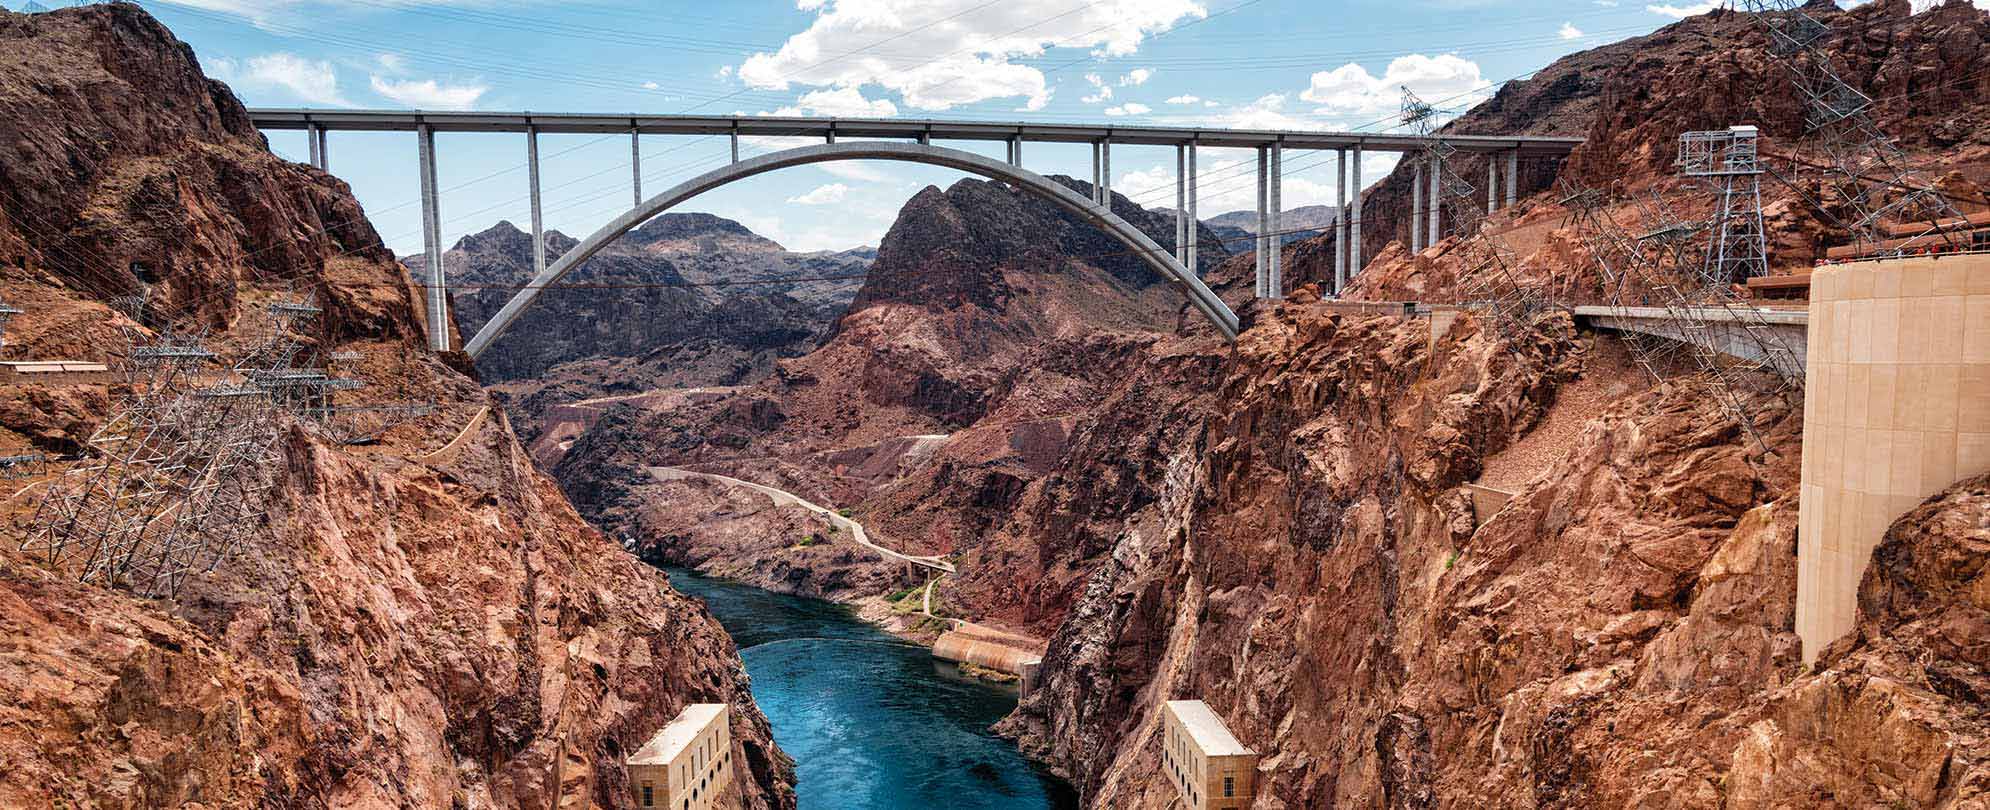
764	126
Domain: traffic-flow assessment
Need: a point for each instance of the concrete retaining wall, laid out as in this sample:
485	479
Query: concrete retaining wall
1896	408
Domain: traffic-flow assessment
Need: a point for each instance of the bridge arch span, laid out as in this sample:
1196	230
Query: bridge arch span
1199	295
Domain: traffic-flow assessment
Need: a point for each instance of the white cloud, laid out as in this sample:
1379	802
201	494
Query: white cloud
1129	108
1268	112
1569	31
1351	90
1184	100
429	94
1100	92
856	170
392	63
652	86
842	102
822	195
1605	3
1682	12
310	81
1136	77
938	54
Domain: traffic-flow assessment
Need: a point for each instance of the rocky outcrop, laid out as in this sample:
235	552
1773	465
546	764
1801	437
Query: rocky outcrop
981	336
413	626
1630	100
691	299
1619	634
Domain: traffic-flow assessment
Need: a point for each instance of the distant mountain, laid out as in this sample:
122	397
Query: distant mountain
1298	224
680	283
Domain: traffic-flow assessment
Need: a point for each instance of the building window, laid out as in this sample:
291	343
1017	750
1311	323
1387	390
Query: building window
649	795
1229	787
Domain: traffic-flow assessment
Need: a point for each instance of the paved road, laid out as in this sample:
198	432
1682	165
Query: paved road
783	497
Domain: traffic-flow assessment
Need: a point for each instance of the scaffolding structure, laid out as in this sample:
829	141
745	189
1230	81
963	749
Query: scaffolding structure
180	472
1673	266
1862	166
1488	281
22	465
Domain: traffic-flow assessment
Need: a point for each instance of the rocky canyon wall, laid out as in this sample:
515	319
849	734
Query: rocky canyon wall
422	622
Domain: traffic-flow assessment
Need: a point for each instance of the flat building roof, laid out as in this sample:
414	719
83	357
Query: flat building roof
1208	731
673	739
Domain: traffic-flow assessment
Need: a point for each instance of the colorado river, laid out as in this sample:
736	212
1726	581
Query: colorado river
873	723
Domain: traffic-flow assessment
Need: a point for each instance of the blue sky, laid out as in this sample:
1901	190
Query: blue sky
1248	63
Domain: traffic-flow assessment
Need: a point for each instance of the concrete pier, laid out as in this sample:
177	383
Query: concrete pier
635	167
538	210
431	215
1416	209
1181	205
1105	173
1512	177
1435	232
1194	223
1275	231
1263	288
1340	221
315	136
1354	221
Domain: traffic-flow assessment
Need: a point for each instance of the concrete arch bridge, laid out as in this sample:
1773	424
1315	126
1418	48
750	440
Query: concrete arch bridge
912	141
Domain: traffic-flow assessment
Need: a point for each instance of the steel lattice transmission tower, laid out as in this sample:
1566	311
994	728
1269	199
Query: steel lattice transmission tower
1737	245
1867	171
1487	265
182	469
1487	276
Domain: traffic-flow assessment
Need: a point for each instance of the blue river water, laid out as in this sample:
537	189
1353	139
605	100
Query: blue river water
873	723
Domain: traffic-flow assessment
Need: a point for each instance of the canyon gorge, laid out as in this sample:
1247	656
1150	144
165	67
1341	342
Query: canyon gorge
498	601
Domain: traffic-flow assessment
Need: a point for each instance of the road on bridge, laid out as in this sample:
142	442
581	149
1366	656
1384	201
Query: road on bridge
783	497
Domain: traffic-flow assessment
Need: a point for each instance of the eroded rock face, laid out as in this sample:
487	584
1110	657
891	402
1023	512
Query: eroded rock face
1928	73
415	627
1620	634
990	326
649	312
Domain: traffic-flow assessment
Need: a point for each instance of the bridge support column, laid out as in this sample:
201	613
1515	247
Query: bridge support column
1257	245
1354	222
1181	204
1105	173
1435	232
324	151
538	213
1275	234
1098	180
735	142
1194	223
1016	151
635	169
1340	222
1492	184
431	216
315	135
1416	209
1512	177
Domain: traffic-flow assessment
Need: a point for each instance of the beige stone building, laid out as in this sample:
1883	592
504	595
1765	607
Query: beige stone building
688	764
1208	767
1896	408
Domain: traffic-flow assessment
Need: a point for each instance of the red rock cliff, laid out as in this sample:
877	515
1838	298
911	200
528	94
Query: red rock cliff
414	628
